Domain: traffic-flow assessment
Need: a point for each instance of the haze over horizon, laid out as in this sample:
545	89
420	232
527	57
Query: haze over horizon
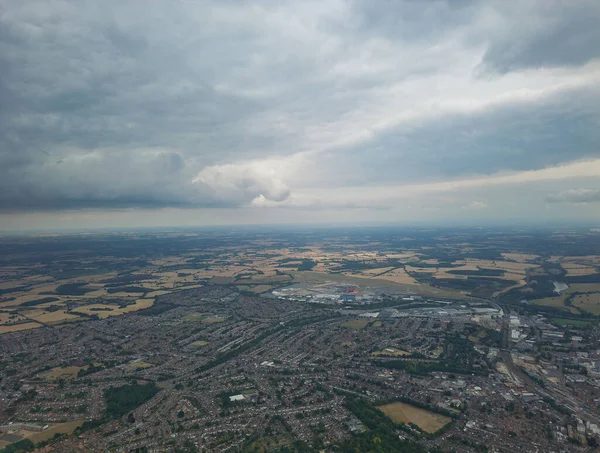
119	114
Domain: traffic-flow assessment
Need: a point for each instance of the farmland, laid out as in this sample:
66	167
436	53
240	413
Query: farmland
589	302
17	327
102	287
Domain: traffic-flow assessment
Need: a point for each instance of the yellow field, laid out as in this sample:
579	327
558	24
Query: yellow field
10	304
140	304
378	271
515	268
574	271
6	318
357	323
589	302
15	328
199	343
405	413
62	428
520	257
421	270
390	352
54	317
591	260
395	275
403	256
264	279
158	293
103	313
442	272
69	372
398	275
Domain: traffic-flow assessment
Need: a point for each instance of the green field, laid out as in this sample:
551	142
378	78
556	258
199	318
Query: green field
571	322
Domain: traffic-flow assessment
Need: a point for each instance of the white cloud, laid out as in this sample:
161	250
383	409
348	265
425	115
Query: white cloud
391	195
576	196
244	182
476	205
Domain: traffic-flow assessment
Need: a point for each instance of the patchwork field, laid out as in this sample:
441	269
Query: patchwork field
17	327
510	267
520	257
398	275
263	266
11	318
54	317
106	310
574	269
584	296
405	413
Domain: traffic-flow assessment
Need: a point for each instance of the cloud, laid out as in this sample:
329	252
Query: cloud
533	34
476	205
244	182
576	196
311	105
438	193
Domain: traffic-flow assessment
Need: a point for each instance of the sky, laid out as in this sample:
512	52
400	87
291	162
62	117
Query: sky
120	113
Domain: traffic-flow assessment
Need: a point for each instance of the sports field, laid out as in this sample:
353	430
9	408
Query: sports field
405	413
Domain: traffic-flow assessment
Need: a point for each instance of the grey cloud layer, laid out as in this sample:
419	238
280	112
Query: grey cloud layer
120	104
561	33
512	137
576	196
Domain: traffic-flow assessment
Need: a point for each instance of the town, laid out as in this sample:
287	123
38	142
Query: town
299	361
